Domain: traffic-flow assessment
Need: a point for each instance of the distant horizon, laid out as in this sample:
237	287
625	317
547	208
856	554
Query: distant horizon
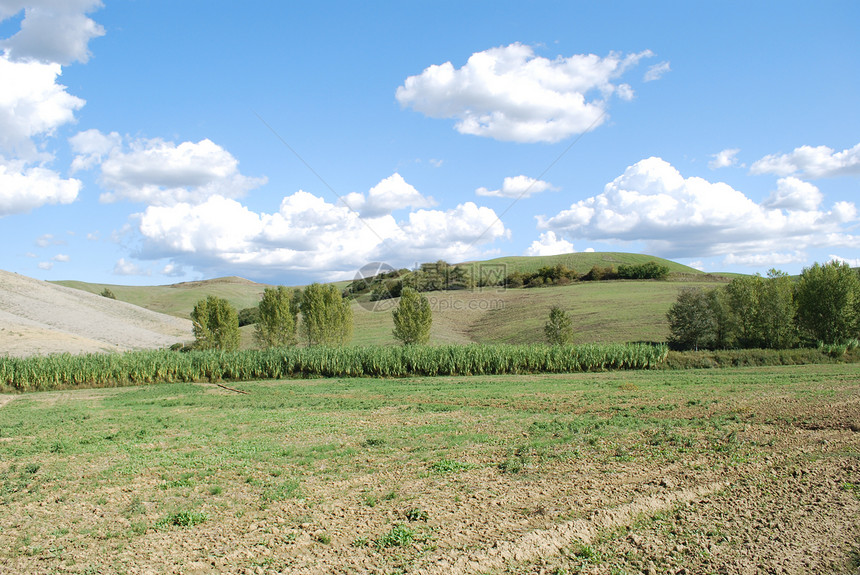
291	143
356	274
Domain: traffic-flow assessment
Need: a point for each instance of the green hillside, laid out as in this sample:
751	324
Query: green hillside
179	299
581	262
602	311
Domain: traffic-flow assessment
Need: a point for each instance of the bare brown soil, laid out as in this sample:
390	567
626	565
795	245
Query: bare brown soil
786	501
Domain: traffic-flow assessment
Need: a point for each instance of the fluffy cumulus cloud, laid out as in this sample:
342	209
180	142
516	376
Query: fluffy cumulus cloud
52	30
23	189
724	159
309	234
391	194
33	104
508	93
794	194
517	187
160	173
549	245
811	162
678	217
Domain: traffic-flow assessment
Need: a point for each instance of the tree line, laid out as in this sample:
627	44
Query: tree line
318	315
822	306
440	275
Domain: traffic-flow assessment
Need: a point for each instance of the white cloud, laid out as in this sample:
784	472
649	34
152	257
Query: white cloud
172	270
517	187
853	262
92	148
24	189
657	71
61	258
681	217
507	93
794	194
812	162
724	159
55	31
127	268
308	234
391	194
770	259
549	245
31	104
161	173
45	266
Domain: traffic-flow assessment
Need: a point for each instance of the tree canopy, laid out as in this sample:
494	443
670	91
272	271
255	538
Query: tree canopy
412	318
326	315
559	328
278	317
216	324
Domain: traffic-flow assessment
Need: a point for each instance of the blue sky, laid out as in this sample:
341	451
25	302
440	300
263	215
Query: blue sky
155	142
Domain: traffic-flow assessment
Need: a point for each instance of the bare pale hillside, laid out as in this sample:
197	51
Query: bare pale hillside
40	318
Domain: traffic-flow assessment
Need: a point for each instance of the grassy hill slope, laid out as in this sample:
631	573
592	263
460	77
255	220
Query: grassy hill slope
179	299
605	311
582	262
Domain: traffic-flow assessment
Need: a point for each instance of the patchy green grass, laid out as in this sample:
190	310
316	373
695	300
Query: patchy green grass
363	464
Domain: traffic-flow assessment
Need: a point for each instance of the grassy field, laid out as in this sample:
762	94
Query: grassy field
620	472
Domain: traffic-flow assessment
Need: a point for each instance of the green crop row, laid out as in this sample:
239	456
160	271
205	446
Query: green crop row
135	368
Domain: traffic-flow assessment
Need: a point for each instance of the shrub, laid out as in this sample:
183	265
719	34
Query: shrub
559	328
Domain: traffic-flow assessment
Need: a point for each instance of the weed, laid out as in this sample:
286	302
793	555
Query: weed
448	466
415	514
282	491
360	542
215	490
398	536
182	519
323	537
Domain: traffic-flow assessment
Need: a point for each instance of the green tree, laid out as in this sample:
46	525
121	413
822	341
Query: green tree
326	316
278	318
107	293
559	328
412	318
692	322
743	297
216	324
828	302
777	311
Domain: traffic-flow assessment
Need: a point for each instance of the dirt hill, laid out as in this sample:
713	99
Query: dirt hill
40	318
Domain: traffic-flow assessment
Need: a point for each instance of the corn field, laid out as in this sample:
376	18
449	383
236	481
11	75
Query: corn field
146	367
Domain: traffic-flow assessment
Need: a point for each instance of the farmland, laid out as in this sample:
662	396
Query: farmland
731	470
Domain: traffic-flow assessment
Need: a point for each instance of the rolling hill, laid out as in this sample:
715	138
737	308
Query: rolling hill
41	318
606	311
